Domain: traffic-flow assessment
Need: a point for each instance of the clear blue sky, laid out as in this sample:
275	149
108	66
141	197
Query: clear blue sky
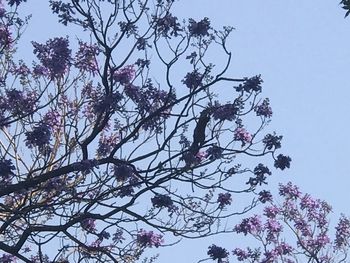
301	48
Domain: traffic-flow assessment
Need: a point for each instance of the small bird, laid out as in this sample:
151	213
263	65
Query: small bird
199	132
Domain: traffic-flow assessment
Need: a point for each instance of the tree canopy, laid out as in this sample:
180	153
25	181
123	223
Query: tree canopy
131	133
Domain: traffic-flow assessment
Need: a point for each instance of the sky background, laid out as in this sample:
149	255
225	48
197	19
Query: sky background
301	49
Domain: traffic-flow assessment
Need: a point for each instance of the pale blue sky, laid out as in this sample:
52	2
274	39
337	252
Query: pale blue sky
301	48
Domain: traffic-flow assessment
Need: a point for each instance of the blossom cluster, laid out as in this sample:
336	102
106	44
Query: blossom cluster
53	120
163	201
106	143
261	172
217	253
18	102
167	25
7	258
193	79
89	224
124	75
5	37
199	29
149	239
54	55
39	136
125	175
252	84
272	141
224	199
214	152
264	109
224	112
241	134
85	58
282	162
6	168
148	100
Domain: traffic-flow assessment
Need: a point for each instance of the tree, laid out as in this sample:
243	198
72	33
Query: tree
105	151
295	230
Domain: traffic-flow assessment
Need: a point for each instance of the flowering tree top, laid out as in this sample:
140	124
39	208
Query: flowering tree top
112	143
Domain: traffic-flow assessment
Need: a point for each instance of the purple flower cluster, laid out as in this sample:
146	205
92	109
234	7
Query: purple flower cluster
201	155
106	144
7	258
149	239
85	58
54	55
109	102
282	162
228	112
125	175
241	254
40	71
215	152
18	102
224	199
39	137
199	29
56	184
284	249
128	28
149	99
53	119
15	2
6	168
89	224
252	225
316	243
5	37
124	75
272	141
252	254
241	134
167	26
289	191
342	236
163	201
193	80
274	228
64	10
265	196
264	109
260	172
279	251
123	172
20	70
217	253
251	84
271	211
